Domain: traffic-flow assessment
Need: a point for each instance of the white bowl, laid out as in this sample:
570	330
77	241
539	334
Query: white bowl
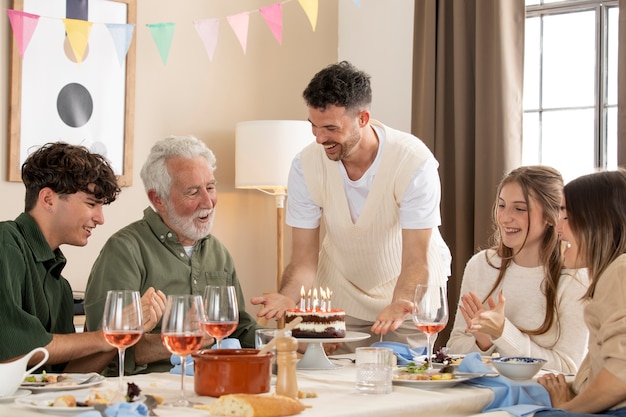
518	367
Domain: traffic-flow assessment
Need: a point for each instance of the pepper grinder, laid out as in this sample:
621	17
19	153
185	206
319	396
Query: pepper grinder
286	359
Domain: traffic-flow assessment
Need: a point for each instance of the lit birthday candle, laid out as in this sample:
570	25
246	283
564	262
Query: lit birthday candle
314	299
323	300
302	301
308	300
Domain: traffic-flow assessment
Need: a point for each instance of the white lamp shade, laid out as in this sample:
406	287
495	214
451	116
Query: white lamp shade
264	150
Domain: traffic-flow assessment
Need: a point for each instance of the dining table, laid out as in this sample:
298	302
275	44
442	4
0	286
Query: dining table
334	390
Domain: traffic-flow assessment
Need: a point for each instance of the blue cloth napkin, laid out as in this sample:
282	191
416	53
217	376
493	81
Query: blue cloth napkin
519	398
403	352
120	410
230	343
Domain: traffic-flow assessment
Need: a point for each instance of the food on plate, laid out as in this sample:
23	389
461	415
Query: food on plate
46	378
318	323
99	397
424	377
64	401
254	405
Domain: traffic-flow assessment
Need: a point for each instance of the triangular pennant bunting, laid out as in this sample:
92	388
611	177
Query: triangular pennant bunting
23	25
273	16
239	23
208	30
162	33
310	8
78	34
122	35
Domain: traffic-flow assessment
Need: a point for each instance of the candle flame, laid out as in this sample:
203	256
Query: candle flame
302	293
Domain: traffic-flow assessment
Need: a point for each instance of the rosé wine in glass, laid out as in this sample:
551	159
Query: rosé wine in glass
181	333
430	313
222	312
122	324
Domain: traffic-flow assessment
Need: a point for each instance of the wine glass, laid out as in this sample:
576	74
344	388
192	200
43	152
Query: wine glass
222	312
430	313
122	324
181	333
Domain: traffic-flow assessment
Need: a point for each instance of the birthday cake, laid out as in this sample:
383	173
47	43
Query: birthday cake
318	323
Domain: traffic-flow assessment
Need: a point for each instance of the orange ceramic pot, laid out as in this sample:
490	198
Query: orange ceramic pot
231	371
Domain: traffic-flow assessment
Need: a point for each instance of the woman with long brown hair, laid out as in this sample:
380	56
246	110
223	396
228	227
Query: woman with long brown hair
517	299
593	223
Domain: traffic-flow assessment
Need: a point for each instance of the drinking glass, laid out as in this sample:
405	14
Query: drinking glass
122	324
222	312
182	334
430	313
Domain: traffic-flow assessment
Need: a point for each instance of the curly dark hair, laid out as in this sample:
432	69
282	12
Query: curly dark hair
340	85
68	169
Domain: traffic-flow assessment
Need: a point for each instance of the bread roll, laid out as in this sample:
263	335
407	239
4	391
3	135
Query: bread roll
64	401
251	405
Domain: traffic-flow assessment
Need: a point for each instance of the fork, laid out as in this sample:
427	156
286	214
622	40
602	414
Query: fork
92	378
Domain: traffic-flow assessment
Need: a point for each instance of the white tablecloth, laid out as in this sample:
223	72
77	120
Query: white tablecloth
336	397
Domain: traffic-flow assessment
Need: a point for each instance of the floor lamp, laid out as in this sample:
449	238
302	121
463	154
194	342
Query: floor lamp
264	150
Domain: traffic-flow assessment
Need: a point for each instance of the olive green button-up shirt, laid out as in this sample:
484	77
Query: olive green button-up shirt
146	254
35	300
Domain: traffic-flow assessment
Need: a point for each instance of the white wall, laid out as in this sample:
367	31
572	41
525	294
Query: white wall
378	38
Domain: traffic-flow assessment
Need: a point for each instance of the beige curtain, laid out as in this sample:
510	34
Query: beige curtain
467	107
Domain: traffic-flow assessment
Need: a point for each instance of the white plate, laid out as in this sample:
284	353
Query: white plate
19	393
41	402
350	337
429	384
67	384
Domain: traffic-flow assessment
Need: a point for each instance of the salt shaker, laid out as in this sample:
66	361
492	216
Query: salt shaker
286	359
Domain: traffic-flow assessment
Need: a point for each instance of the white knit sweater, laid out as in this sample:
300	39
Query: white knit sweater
564	346
361	261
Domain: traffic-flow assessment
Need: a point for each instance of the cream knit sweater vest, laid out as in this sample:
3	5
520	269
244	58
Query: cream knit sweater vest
360	262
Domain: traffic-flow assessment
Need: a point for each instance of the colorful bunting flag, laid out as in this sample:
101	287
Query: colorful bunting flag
239	23
310	8
23	25
78	34
122	35
273	16
162	34
208	30
78	31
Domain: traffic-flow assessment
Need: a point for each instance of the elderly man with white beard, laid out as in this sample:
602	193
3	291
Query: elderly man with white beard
170	249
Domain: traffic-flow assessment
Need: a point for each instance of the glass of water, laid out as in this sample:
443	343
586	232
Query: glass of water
374	370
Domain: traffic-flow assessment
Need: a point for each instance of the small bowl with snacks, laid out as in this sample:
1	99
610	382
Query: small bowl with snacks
518	367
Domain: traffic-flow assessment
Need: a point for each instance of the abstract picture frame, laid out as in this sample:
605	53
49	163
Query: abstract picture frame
57	95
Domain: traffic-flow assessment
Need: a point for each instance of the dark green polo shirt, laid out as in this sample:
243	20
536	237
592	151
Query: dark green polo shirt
35	300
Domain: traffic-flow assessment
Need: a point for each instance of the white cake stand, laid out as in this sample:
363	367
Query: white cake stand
315	357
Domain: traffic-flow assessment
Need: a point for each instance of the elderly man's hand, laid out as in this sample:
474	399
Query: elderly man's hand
152	306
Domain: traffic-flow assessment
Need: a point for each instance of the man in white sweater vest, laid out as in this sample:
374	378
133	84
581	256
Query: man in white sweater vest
378	191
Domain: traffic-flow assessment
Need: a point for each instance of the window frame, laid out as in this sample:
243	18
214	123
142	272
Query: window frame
601	106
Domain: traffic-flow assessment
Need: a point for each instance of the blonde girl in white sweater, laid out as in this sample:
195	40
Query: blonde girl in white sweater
516	297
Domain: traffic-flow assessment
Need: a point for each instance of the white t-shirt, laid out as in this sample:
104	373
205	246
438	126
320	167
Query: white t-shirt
419	208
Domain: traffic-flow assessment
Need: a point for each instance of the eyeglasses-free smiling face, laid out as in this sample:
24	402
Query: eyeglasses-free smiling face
337	130
75	217
521	225
190	209
569	245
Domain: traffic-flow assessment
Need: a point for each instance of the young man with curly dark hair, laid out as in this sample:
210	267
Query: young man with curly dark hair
66	189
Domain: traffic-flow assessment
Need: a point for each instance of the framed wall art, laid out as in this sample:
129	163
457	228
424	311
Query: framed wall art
80	96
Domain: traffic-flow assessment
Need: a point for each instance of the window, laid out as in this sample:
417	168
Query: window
570	85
